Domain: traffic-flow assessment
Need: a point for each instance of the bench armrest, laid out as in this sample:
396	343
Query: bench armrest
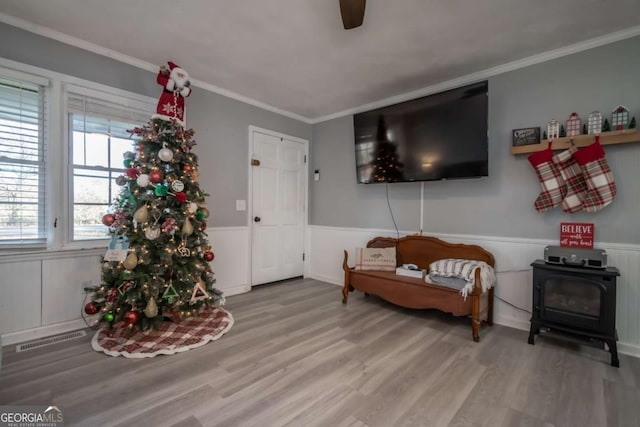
345	265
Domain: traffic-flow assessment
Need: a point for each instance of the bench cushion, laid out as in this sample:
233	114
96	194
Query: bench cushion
449	282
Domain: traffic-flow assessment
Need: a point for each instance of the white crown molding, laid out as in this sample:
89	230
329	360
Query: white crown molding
73	41
250	101
109	53
439	87
490	72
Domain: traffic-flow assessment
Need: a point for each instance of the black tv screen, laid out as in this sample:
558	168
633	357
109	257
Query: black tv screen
440	136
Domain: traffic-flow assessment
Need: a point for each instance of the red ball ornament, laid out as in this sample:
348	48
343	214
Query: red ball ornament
131	318
156	176
208	256
181	197
188	168
132	173
108	219
203	226
91	308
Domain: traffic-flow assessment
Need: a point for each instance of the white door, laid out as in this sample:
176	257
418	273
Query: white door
278	200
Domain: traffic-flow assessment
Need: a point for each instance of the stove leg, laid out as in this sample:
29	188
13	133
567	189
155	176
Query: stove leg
532	332
613	348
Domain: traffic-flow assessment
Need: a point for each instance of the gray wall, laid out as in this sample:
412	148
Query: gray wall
29	48
220	123
222	134
502	204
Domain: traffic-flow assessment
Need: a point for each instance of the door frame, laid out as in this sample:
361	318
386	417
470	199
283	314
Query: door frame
305	170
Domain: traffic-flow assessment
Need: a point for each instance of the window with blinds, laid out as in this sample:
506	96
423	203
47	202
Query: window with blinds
98	138
22	162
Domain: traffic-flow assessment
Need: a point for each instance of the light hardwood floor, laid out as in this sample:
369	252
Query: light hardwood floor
296	356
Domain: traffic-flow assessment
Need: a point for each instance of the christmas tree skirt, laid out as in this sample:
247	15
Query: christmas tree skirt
170	338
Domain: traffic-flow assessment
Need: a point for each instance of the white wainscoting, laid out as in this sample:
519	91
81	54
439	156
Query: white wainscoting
230	246
20	296
513	258
42	293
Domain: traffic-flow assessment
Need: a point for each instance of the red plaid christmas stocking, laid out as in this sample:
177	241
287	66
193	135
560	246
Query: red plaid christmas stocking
572	175
598	176
551	182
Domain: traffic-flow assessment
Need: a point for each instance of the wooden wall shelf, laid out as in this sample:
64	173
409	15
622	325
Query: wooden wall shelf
606	138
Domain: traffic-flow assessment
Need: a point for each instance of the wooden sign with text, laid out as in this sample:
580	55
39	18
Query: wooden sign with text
576	235
525	136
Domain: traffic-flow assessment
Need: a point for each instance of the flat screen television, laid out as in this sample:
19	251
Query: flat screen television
436	137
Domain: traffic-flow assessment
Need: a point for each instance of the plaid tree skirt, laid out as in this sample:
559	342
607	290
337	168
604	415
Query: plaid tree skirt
171	338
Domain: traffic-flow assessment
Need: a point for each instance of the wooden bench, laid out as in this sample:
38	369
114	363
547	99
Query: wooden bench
415	293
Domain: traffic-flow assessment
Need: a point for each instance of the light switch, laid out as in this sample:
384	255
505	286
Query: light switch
316	175
241	205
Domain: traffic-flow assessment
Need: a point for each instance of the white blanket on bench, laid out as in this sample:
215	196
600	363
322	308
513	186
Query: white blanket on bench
465	269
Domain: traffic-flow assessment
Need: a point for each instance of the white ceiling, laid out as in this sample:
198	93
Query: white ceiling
294	55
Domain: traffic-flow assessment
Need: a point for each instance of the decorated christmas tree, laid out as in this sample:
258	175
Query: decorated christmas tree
386	164
157	266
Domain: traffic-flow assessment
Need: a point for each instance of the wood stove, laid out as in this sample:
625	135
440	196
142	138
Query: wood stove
577	303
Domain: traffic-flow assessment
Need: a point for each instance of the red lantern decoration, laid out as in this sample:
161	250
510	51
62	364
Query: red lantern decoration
108	219
131	318
91	308
208	256
132	173
156	176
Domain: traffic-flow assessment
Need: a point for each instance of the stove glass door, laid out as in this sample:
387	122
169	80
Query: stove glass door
572	300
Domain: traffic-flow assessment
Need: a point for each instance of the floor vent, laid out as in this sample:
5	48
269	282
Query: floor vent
50	341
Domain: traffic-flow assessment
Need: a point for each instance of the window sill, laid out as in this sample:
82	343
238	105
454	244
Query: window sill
44	254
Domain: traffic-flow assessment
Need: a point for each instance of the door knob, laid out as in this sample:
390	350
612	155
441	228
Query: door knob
256	219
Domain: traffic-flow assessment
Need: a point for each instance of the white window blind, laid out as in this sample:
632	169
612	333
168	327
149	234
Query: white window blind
98	137
22	162
95	115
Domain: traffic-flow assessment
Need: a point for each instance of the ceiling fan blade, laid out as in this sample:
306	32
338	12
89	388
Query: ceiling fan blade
352	13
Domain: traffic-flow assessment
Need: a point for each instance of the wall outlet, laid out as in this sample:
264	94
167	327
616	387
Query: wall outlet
241	205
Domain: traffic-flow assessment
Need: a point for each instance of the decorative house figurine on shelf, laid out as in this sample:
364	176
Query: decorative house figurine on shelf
573	125
620	117
595	123
553	129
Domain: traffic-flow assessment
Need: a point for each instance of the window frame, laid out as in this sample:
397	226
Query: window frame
128	100
56	198
44	85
